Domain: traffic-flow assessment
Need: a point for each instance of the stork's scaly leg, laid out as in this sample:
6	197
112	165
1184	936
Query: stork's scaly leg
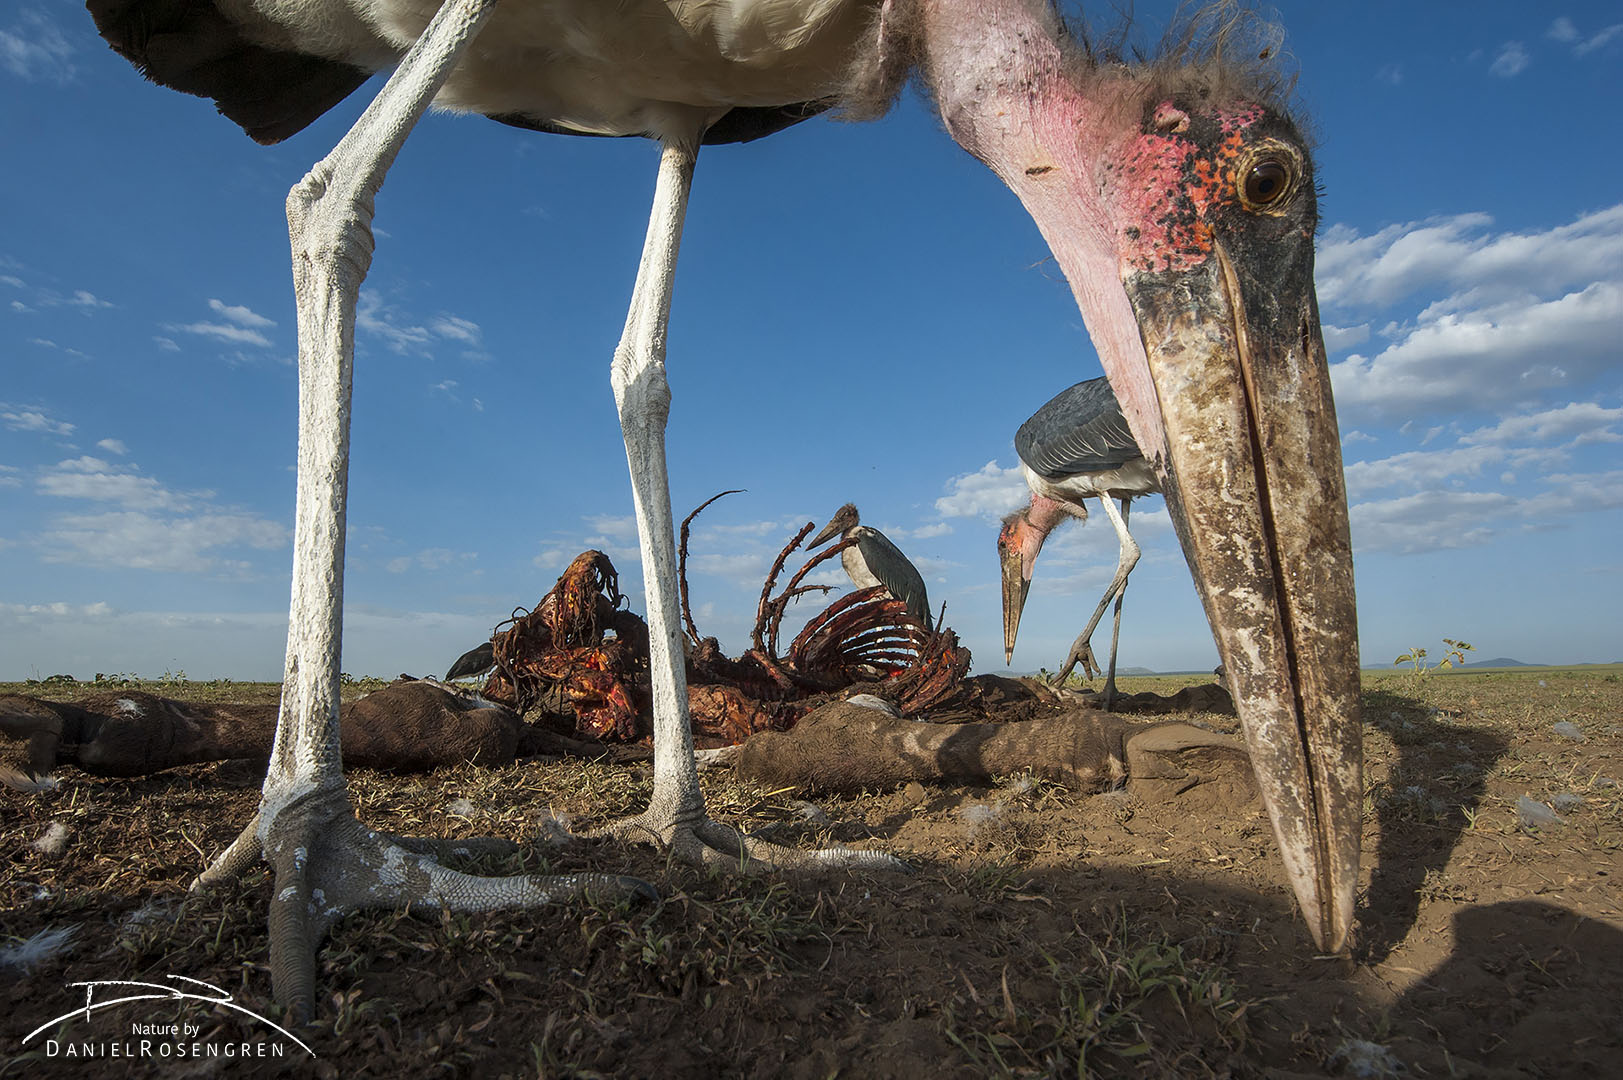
325	862
1115	630
1080	648
676	817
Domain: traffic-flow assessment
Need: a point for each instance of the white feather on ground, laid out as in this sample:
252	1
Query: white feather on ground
25	956
55	840
21	781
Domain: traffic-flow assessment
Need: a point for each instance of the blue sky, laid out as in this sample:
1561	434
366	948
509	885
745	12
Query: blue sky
862	313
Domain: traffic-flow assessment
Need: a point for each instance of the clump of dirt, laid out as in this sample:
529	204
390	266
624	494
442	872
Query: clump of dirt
1042	932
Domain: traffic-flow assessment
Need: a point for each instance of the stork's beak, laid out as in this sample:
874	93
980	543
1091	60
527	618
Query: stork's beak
1253	478
1015	587
829	531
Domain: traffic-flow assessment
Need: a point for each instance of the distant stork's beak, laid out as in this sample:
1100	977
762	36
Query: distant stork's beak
828	532
1252	471
1015	587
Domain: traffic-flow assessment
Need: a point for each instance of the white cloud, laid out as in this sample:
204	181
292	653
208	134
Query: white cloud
1485	357
151	526
453	328
33	49
1510	61
9	476
1581	421
1599	40
241	315
991	492
1524	311
1391	74
144	541
19	418
1430	521
1565	31
85	299
429	559
400	335
166	344
1459	254
1337	338
93	478
114	446
235	335
620	527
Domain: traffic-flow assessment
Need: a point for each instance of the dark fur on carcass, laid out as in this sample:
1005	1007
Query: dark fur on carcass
845	748
408	726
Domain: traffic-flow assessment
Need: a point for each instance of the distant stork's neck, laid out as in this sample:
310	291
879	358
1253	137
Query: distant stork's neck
1044	514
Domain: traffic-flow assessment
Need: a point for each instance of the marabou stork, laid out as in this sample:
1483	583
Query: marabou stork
1177	196
476	661
1076	447
873	560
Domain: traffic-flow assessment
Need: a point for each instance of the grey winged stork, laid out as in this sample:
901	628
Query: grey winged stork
872	559
1076	447
1176	195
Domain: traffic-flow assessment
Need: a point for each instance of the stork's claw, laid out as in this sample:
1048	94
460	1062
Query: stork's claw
710	844
1081	653
328	865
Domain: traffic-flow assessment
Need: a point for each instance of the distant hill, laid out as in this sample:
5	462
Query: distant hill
1501	661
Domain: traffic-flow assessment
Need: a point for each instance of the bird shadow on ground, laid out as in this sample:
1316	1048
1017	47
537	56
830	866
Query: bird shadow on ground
1432	790
1526	981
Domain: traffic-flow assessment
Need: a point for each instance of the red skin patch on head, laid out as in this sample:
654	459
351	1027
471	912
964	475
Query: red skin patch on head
1170	186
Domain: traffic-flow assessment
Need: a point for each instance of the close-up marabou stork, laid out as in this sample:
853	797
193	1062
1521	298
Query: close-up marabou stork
1177	197
1076	447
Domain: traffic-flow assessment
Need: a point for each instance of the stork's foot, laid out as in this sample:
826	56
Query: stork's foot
698	841
1081	653
327	865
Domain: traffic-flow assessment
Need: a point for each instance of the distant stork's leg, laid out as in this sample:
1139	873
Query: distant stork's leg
676	814
1115	630
1080	648
325	862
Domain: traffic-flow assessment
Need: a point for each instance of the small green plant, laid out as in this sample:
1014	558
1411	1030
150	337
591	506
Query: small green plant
1454	654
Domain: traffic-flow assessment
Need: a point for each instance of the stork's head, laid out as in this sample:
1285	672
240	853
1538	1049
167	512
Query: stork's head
1018	544
844	518
1179	200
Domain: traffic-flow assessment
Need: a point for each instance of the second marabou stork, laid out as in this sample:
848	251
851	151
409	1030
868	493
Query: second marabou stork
1076	447
1177	196
873	560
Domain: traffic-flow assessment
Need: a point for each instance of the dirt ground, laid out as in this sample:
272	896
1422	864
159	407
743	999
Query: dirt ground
1041	933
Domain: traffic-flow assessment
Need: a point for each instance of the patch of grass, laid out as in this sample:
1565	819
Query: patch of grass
1132	1000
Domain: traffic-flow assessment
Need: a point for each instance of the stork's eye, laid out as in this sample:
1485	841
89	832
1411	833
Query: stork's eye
1266	183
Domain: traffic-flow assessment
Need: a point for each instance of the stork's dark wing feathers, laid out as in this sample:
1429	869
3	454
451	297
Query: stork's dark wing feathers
273	94
895	572
740	125
1081	429
476	661
191	47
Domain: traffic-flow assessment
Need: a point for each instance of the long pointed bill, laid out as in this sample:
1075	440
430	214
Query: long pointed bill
1256	492
1015	587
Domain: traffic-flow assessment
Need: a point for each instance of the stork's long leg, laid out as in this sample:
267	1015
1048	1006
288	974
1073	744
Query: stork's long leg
1115	630
325	862
676	815
1080	648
